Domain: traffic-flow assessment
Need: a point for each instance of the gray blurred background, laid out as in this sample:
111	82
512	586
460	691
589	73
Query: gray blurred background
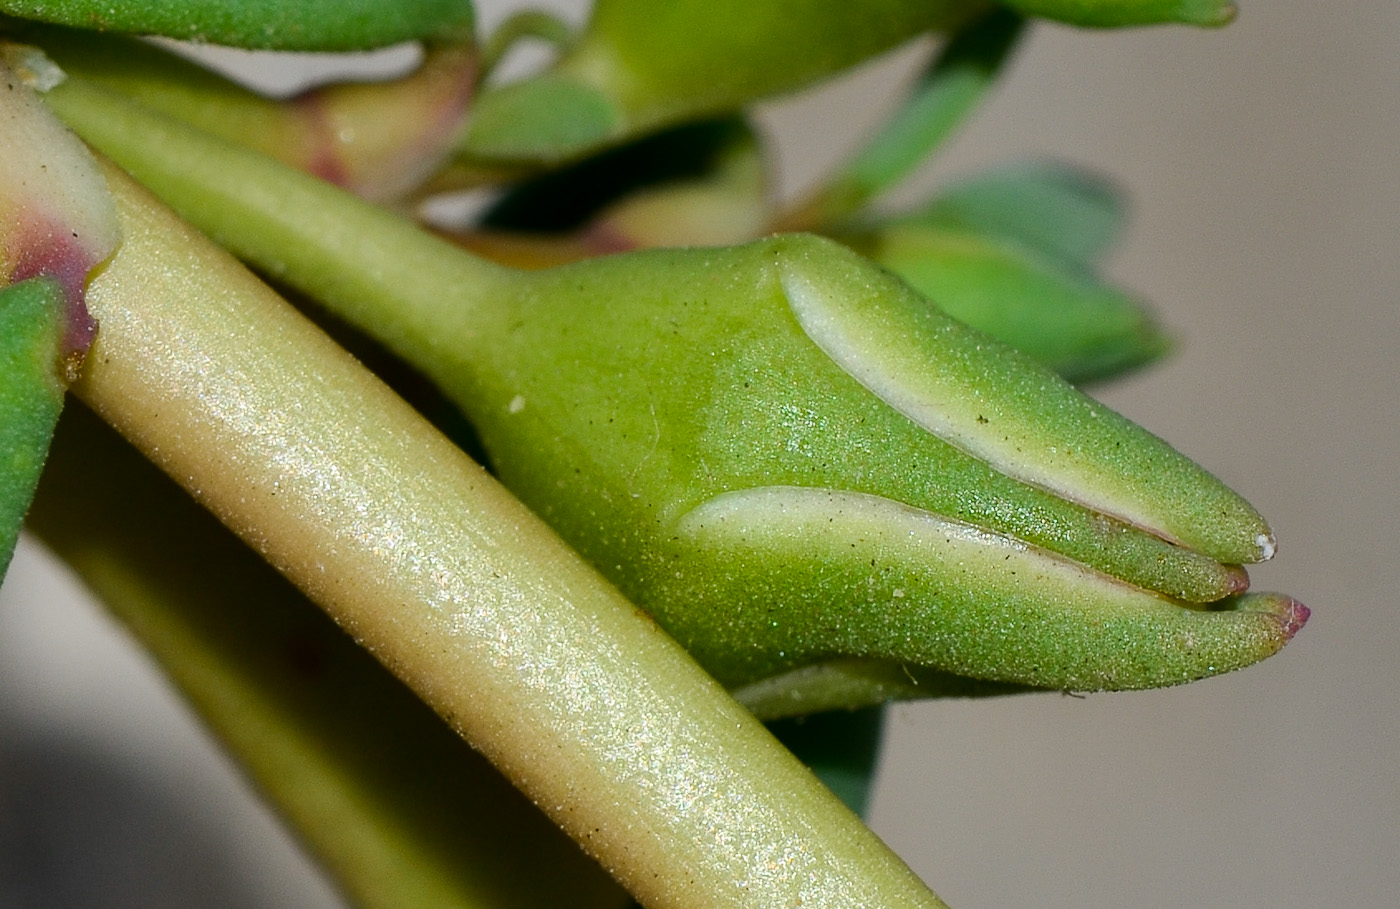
1263	162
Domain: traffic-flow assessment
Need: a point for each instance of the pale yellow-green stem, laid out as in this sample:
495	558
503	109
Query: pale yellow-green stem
398	810
580	699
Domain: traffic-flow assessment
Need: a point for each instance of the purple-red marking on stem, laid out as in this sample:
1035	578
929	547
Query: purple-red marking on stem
46	247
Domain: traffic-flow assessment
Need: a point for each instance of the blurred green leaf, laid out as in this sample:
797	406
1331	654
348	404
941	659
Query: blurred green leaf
638	66
308	25
1109	13
1059	210
937	104
1063	317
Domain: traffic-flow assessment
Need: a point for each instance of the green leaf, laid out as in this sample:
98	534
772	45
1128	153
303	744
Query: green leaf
938	103
1059	210
32	325
308	25
1109	13
1063	317
639	66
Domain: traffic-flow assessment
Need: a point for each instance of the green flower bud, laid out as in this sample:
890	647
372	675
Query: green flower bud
780	433
789	456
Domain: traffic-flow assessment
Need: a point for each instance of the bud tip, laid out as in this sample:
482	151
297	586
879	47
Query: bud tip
1294	616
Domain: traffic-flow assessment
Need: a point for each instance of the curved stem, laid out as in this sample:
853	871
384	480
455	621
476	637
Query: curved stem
525	24
382	272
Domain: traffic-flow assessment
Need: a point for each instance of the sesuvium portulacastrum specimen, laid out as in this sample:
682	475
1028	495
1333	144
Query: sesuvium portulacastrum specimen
526	652
827	490
798	465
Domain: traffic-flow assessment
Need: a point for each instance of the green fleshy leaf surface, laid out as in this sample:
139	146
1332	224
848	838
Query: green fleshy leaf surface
31	395
548	119
1112	13
1062	317
308	25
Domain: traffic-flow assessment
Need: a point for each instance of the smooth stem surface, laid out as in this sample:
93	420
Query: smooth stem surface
582	701
400	811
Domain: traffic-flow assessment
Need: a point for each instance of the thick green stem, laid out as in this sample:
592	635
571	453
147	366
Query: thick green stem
449	581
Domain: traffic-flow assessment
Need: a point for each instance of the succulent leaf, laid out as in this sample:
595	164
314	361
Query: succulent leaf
941	99
31	394
1059	210
1111	13
1057	314
308	25
638	66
